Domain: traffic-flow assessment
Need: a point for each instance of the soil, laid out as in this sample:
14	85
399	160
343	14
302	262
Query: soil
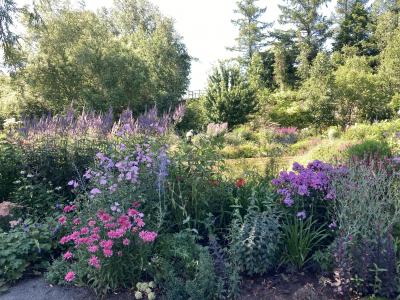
289	287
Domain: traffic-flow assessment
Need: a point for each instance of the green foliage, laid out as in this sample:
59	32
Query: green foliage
37	196
367	199
10	162
26	246
288	110
390	63
79	58
183	269
196	188
251	29
195	116
229	97
305	17
255	240
355	29
358	93
369	148
318	92
300	238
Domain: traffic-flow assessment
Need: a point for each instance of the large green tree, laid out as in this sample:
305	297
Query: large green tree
252	36
129	55
311	26
229	97
355	29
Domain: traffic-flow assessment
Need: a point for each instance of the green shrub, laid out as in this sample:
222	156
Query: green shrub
183	269
245	150
255	240
10	164
300	239
37	196
369	148
26	246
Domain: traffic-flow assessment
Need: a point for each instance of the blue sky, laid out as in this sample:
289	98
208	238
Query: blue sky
206	28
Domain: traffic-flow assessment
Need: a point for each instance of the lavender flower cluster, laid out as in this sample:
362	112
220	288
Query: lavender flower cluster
111	174
72	124
315	179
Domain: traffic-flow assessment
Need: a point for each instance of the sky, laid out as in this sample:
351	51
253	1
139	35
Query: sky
206	28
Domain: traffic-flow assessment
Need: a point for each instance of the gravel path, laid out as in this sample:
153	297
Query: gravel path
38	289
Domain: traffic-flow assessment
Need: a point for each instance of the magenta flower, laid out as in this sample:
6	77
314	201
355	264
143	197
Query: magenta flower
62	220
126	242
93	248
69	276
94	261
107	252
68	255
148	236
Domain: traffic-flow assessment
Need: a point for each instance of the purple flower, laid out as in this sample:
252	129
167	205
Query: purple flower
301	215
332	225
288	201
73	183
95	191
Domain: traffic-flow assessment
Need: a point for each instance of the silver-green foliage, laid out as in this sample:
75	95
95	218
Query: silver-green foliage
368	199
254	240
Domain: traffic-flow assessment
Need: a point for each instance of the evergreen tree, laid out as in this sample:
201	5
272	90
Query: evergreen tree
355	30
252	36
311	26
229	97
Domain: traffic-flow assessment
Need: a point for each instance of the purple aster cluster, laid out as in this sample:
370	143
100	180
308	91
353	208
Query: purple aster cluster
310	181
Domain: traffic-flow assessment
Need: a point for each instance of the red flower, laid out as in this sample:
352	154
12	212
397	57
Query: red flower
240	182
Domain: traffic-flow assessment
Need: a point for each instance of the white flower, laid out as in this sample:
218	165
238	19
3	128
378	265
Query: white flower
138	295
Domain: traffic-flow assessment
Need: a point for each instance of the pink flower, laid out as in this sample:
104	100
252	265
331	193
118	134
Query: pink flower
69	276
107	252
65	239
91	223
104	217
132	212
76	221
110	225
126	242
139	222
96	230
93	248
62	220
148	236
106	244
84	230
67	255
69	208
94	261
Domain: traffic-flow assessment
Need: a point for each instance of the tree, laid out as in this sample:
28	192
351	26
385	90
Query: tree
358	93
317	90
153	37
386	15
285	53
98	61
252	36
311	26
9	13
355	30
229	97
390	64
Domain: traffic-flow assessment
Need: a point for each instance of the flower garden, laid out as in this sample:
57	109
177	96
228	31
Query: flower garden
135	207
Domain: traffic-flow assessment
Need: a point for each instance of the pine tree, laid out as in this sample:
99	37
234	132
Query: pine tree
252	36
355	30
311	26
